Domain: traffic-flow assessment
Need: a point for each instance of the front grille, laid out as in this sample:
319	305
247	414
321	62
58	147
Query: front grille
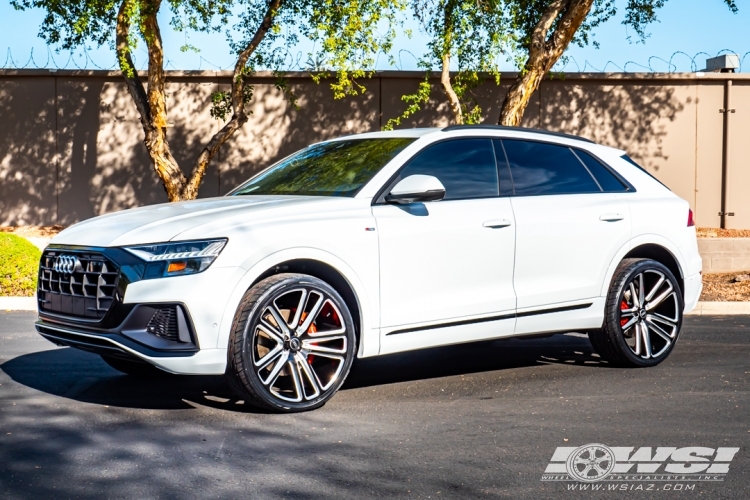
164	324
77	284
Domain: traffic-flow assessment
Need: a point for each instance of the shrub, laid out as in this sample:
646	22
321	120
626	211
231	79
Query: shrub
19	263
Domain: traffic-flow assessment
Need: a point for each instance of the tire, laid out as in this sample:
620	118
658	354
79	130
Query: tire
292	344
133	368
643	315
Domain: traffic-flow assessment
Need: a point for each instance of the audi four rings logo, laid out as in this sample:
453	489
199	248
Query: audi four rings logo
67	264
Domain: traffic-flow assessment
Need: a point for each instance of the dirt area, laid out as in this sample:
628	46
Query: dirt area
713	232
32	231
729	287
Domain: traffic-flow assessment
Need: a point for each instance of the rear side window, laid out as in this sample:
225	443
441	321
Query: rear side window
632	162
606	179
539	168
466	167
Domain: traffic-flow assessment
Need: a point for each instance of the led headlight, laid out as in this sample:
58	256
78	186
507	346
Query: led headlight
177	258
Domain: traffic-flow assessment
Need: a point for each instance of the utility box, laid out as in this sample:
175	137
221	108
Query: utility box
726	63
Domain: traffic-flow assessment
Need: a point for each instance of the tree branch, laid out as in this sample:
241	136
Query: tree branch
132	80
239	115
544	52
445	80
445	75
152	35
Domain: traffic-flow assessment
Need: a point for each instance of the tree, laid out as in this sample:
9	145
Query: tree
476	34
545	29
347	30
472	34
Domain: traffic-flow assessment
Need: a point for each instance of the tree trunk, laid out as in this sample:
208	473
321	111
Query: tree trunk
151	103
544	52
445	75
239	115
445	80
156	138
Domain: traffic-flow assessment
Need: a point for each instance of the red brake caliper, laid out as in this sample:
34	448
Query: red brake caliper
311	329
623	307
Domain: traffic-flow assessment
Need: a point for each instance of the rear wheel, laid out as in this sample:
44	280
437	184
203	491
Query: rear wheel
643	315
292	344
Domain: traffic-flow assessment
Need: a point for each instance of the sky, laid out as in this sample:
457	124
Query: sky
687	33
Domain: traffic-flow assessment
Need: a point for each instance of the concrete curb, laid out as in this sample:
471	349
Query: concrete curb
720	308
702	309
40	243
17	303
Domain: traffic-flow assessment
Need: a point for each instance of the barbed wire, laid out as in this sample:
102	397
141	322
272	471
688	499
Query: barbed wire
81	59
568	61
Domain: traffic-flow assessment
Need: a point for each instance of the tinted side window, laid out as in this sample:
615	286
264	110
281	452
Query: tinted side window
539	168
466	167
633	162
506	183
603	176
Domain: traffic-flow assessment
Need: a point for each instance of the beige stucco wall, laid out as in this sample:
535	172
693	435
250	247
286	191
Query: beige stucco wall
71	143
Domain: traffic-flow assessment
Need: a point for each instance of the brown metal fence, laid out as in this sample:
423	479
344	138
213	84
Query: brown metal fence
70	141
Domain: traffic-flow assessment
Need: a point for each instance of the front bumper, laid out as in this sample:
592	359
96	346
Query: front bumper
196	362
197	303
174	336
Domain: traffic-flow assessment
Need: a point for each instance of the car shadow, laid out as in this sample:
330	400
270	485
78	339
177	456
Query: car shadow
81	376
474	357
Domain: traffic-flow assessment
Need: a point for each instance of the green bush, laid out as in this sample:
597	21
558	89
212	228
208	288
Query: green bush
19	262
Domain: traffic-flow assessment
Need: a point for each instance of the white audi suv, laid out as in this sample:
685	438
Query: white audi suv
374	244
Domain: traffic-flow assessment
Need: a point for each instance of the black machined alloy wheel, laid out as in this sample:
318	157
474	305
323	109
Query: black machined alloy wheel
292	344
643	315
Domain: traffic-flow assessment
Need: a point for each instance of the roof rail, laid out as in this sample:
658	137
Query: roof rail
515	129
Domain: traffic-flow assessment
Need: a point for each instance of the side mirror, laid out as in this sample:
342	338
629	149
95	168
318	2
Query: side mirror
416	188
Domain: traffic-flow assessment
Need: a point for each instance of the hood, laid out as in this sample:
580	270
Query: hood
165	222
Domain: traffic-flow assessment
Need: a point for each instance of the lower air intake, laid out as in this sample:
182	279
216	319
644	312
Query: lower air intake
169	323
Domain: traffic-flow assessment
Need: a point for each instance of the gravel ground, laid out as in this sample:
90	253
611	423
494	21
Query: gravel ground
726	287
713	232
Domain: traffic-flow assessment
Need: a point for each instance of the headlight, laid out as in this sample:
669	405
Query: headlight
178	258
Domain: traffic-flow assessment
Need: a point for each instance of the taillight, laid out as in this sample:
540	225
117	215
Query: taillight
691	222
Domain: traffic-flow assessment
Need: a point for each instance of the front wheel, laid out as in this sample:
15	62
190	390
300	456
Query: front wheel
292	344
643	315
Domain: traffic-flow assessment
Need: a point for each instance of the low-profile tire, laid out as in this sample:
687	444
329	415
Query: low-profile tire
643	315
133	368
292	344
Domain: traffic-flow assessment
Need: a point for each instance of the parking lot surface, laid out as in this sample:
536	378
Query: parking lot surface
474	420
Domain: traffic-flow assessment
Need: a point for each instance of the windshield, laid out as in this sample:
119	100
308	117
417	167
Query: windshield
338	168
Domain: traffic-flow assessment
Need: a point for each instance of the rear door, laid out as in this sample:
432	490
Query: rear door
446	267
571	218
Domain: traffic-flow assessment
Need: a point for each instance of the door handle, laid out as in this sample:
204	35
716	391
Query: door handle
611	217
496	223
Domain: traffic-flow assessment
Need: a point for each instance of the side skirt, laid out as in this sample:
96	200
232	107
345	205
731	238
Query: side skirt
572	317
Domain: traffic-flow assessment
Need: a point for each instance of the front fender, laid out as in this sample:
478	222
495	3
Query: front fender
369	342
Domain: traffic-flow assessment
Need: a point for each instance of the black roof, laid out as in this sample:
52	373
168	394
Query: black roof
515	129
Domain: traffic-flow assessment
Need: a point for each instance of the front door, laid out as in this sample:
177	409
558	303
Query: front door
446	267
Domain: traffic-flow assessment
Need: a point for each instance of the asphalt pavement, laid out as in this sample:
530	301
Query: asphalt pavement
477	420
